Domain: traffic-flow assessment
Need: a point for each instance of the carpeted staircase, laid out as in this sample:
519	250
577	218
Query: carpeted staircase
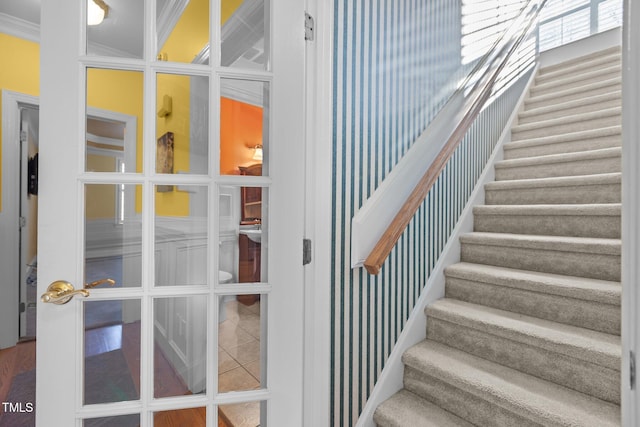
528	333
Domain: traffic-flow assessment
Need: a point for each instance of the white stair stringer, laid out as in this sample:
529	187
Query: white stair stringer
528	332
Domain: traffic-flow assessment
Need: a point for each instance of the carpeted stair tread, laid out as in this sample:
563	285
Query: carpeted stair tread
576	106
595	258
561	158
579	189
592	162
568	123
406	409
603	61
589	61
551	243
578	78
579	343
587	303
602	291
602	138
576	92
539	401
581	180
577	220
593	209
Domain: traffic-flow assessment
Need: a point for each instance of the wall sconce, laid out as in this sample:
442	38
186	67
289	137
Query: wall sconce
257	153
167	106
97	10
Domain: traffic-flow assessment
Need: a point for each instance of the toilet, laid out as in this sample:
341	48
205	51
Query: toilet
223	277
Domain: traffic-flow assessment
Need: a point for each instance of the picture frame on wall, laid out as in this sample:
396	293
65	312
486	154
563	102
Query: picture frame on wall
164	158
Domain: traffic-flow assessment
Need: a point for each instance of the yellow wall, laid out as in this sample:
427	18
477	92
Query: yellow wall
100	201
19	72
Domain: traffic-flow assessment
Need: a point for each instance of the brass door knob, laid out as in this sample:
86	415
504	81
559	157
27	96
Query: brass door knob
61	292
110	282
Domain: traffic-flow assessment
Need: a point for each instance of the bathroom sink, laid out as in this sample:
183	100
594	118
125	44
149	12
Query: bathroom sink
253	235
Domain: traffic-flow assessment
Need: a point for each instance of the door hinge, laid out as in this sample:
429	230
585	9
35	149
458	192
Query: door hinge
23	307
309	27
23	136
306	251
632	370
23	222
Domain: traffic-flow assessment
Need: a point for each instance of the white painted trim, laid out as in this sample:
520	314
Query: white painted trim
391	377
168	18
318	217
9	254
19	28
581	47
630	208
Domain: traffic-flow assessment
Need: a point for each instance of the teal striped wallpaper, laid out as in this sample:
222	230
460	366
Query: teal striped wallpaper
395	64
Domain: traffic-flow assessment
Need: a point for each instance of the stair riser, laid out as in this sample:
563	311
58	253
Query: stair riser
406	409
585	377
548	74
570	311
562	147
607	227
581	264
570	194
537	101
609	103
560	129
476	410
565	82
550	170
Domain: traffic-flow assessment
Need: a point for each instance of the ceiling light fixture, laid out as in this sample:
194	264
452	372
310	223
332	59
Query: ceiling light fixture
97	10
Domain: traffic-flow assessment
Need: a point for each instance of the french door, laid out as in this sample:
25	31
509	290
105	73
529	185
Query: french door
168	295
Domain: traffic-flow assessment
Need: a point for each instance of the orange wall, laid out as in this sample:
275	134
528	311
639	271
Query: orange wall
240	131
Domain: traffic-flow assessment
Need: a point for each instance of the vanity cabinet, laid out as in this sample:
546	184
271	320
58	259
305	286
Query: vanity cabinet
249	251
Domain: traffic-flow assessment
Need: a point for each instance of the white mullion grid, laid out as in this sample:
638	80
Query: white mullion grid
263	288
211	371
215	47
148	226
148	217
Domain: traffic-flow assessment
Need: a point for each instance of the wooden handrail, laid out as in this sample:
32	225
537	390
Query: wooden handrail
478	92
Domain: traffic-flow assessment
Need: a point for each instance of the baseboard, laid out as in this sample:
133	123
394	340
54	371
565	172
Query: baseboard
390	380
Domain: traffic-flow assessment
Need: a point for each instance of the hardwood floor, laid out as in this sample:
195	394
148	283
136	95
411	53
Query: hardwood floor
14	361
21	358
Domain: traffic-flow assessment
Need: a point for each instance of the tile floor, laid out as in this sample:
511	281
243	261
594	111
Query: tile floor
239	360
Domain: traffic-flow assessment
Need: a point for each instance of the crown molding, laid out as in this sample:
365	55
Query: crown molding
168	18
19	28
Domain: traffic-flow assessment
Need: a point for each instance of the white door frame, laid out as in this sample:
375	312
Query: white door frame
9	253
318	217
630	209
